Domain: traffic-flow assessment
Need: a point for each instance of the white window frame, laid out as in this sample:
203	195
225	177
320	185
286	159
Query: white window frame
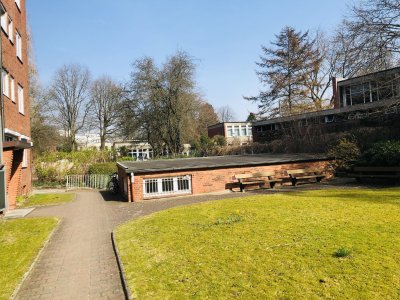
10	29
21	104
25	159
249	130
18	3
4	21
158	183
229	131
5	81
12	89
18	44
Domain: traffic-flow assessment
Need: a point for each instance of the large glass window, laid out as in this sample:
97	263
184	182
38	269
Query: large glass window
243	130
230	131
236	130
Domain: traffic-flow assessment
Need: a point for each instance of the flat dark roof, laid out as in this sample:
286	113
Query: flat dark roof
215	162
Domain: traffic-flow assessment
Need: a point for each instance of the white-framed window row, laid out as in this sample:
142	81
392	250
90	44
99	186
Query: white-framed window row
21	104
154	187
18	45
239	130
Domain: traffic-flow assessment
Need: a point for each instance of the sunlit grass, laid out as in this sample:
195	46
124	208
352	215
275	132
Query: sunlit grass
20	242
46	199
279	246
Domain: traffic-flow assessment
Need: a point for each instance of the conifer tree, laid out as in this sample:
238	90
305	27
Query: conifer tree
283	69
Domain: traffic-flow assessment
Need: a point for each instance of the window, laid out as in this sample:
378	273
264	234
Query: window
167	186
230	131
249	130
10	29
243	130
12	89
18	3
236	131
18	42
4	19
5	82
25	159
21	99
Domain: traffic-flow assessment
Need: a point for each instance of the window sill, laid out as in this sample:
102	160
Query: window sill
20	60
23	114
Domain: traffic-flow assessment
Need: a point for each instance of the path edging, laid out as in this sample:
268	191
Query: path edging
38	256
122	275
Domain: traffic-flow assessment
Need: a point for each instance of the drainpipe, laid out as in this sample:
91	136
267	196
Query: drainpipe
131	181
4	192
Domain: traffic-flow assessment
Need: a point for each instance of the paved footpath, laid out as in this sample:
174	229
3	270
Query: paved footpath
78	262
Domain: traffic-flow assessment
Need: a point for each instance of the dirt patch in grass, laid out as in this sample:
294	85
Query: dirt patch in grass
277	246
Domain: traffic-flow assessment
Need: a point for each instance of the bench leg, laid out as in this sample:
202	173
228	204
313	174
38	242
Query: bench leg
241	188
294	181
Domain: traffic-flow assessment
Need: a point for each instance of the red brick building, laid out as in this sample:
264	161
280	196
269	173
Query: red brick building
192	176
15	113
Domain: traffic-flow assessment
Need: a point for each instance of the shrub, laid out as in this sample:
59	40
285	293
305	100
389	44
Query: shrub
103	168
342	252
381	154
346	153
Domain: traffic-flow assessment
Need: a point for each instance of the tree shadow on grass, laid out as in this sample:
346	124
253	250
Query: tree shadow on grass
110	197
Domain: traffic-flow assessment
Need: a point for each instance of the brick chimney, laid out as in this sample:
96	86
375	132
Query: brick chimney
335	93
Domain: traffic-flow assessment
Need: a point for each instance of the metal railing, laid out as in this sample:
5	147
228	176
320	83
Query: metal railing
88	181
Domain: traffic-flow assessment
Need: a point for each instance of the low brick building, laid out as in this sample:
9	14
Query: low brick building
15	117
191	176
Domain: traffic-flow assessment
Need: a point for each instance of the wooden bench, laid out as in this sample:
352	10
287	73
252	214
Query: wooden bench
260	179
375	172
305	175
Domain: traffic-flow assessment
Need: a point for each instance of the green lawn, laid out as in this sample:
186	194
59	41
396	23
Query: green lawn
20	242
46	199
282	246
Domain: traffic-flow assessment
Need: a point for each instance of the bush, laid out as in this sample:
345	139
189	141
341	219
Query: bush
346	153
381	154
103	168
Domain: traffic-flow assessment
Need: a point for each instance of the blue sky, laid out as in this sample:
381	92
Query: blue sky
224	36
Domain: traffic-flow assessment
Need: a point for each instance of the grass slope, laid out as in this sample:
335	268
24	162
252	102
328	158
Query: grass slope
46	199
20	242
272	246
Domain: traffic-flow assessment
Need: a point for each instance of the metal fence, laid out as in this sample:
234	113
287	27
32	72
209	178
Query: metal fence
91	181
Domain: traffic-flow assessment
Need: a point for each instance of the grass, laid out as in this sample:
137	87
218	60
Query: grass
45	199
20	242
279	246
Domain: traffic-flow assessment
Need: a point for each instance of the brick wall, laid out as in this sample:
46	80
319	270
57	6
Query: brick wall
214	180
220	130
16	68
19	180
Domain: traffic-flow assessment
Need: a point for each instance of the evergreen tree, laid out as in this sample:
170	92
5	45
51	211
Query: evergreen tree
284	69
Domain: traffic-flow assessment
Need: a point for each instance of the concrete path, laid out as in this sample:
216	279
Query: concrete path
79	262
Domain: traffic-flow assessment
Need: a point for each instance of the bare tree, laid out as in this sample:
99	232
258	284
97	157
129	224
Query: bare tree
105	100
226	114
368	39
69	98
